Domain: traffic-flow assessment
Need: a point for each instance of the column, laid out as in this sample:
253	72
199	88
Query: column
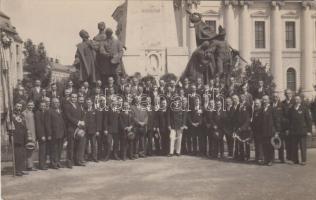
192	37
229	25
276	47
307	50
244	34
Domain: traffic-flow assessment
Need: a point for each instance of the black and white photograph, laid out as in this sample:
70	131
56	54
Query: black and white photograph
158	99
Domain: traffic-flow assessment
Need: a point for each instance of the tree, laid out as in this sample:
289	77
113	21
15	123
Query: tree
36	64
256	72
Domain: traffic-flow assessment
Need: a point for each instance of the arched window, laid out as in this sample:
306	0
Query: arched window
291	79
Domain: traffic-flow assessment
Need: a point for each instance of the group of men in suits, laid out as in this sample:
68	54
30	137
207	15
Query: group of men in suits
140	118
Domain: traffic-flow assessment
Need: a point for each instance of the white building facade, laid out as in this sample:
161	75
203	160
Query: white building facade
279	33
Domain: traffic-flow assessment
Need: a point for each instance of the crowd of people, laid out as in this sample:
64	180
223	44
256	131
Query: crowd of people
136	119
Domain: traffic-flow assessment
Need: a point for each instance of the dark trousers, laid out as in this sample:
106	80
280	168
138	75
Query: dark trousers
281	151
202	136
100	146
258	148
242	149
194	133
218	145
298	143
42	147
268	150
164	134
230	143
184	147
57	148
288	147
75	149
109	138
210	142
91	140
140	140
157	138
127	147
149	142
20	159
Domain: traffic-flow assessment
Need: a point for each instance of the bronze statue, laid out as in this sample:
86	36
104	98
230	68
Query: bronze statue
213	52
85	58
201	64
109	52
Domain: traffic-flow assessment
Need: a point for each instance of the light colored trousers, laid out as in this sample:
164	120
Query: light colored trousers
29	158
175	140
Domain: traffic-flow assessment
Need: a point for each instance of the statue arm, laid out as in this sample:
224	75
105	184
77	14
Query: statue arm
77	58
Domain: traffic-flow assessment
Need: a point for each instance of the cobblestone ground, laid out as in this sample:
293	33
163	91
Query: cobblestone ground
165	178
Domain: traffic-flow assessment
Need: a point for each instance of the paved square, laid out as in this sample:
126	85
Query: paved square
165	178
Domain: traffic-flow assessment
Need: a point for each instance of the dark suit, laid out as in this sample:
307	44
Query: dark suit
277	118
242	127
208	123
35	96
285	126
126	120
151	128
313	110
20	138
195	131
56	126
163	119
300	125
91	129
218	121
267	130
256	127
228	130
41	135
101	138
111	120
76	146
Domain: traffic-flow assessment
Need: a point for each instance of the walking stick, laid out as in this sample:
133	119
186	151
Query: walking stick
234	146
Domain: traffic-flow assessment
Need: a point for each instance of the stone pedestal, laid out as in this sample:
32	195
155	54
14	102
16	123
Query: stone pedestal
154	36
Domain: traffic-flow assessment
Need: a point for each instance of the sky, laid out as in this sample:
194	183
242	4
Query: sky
57	23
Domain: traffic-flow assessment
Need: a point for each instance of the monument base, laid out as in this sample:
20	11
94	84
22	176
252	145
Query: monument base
156	61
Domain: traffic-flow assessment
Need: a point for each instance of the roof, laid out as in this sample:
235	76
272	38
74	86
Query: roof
60	67
2	14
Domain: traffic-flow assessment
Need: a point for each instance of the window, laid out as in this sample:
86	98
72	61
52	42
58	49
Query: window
290	34
211	24
260	41
291	79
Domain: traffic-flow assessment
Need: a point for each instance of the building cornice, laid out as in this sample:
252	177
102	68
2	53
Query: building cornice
210	13
290	14
259	13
